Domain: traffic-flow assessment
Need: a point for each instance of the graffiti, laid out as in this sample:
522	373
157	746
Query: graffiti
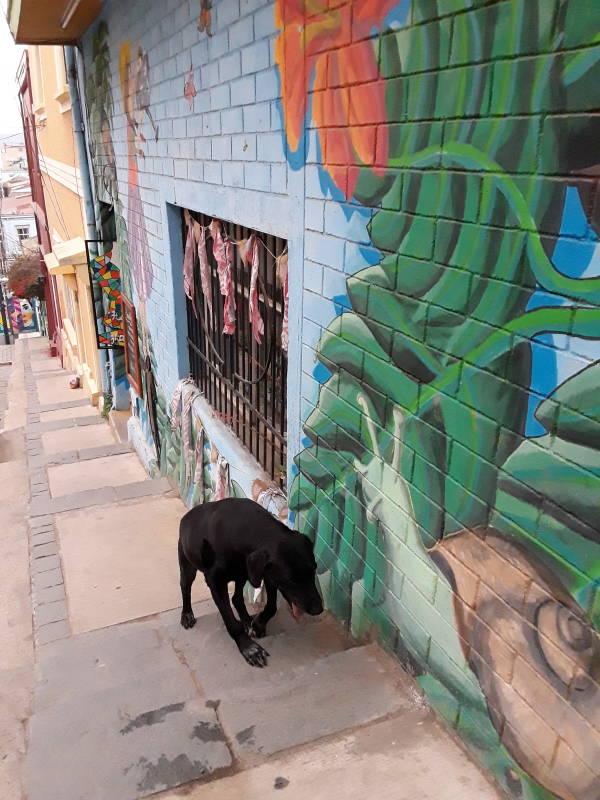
22	314
189	88
135	98
108	277
100	108
453	501
205	18
141	81
311	51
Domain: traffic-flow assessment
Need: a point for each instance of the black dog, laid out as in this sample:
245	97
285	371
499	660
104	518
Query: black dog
238	540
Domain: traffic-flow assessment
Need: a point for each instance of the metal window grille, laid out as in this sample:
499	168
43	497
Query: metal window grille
245	382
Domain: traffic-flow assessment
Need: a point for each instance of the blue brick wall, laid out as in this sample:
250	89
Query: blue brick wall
436	178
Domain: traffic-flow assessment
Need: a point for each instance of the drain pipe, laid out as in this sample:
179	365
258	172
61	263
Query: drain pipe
86	179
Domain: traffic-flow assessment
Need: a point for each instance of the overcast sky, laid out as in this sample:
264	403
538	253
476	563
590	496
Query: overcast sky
10	55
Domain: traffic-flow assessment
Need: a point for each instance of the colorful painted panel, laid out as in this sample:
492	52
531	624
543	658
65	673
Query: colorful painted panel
106	276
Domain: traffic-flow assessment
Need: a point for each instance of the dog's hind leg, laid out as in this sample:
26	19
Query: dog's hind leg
240	606
259	622
187	574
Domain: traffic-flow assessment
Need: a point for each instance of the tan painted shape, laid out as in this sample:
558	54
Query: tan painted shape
94	473
537	659
120	561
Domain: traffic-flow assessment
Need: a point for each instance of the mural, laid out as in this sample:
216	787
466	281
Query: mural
451	474
136	102
205	18
109	311
131	249
189	88
22	314
100	110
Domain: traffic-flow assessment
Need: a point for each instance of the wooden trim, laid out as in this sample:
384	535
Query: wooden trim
132	349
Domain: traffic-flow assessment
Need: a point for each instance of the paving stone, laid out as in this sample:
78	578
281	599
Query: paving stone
41	521
216	661
45	549
43	537
53	632
46	563
72	422
329	695
71	502
117	449
110	659
51	612
50	594
84	421
121	736
110	751
52	577
63	404
46	526
128	491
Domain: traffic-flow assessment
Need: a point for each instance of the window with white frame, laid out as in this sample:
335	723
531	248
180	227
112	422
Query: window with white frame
23	232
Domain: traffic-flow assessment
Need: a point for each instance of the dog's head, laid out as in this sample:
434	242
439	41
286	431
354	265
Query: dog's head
292	569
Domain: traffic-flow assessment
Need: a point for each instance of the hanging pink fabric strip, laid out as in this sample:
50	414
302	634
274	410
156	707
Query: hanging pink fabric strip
200	232
282	264
229	309
258	327
188	262
223	253
222	480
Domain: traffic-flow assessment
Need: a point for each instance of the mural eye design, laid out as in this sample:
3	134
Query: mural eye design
566	643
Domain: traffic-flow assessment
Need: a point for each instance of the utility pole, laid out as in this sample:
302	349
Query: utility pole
3	279
3	310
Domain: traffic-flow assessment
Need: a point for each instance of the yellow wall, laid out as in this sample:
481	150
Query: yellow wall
51	103
64	208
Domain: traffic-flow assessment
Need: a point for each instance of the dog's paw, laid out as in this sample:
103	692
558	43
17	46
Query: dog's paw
257	629
188	620
254	654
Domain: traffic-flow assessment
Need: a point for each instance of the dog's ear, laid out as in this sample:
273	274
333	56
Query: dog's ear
256	564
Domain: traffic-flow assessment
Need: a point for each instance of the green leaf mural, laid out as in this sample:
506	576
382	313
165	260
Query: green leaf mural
420	482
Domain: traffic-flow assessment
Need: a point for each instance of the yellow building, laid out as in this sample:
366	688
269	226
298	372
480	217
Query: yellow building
62	189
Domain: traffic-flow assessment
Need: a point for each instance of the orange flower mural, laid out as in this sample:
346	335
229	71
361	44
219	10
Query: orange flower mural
333	43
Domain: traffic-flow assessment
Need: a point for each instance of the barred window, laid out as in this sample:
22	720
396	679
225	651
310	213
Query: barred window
237	331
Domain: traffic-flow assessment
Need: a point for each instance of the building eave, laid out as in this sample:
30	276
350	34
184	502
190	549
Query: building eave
51	22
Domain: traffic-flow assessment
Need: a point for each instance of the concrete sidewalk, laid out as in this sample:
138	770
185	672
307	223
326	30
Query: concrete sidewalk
126	703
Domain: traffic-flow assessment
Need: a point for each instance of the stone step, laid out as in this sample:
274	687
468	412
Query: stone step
128	716
104	495
328	695
221	670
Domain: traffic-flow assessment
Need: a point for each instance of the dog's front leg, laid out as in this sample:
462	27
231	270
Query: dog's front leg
254	654
259	622
240	605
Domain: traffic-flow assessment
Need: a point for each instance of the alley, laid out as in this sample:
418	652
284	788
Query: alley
124	703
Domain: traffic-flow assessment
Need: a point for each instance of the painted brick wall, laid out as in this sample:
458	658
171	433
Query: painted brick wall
451	457
434	167
212	141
